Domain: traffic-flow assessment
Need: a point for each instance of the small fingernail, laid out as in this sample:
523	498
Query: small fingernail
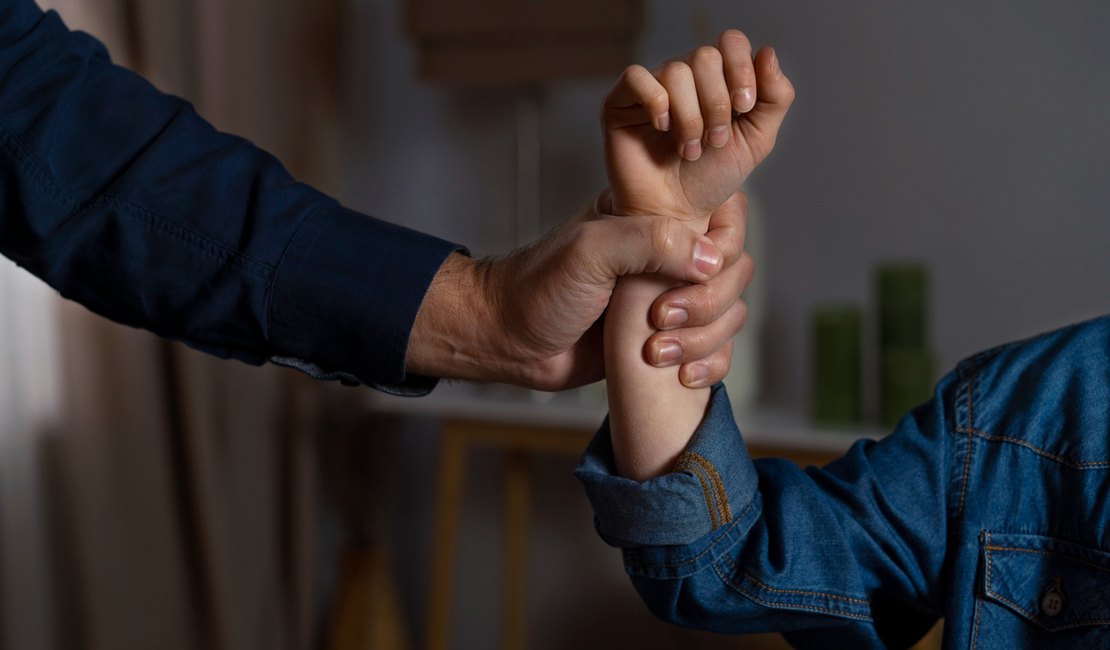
706	257
697	374
692	150
718	136
743	100
664	123
667	352
775	67
675	317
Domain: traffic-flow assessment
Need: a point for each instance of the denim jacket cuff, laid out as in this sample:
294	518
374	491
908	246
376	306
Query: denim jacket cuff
709	497
345	297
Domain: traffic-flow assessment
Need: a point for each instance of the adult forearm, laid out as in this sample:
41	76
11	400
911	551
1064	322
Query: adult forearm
127	201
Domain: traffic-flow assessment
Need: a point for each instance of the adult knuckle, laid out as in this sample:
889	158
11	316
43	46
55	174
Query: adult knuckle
663	237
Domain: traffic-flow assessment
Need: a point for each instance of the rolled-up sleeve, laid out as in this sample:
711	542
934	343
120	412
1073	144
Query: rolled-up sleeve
849	555
711	492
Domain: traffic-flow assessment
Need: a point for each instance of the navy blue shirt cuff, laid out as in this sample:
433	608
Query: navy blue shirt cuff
361	281
712	488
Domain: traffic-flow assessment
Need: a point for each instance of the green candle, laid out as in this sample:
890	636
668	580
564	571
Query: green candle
837	381
903	306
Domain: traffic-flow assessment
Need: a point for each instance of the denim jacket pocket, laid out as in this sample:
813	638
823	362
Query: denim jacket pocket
1039	591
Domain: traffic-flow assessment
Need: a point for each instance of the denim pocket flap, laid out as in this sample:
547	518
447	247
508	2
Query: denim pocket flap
1056	584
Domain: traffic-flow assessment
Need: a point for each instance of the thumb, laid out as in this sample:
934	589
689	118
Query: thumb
650	244
760	126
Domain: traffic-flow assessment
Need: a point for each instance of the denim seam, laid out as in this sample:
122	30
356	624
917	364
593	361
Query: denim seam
718	485
981	597
720	537
987	590
970	388
714	521
1038	551
778	605
719	499
801	592
1063	460
1037	618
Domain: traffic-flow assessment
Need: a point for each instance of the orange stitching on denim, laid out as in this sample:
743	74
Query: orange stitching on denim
803	592
1033	615
1063	460
979	599
971	423
800	592
1038	618
682	465
1017	549
718	484
808	608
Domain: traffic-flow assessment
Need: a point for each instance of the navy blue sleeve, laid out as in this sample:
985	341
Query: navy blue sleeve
125	200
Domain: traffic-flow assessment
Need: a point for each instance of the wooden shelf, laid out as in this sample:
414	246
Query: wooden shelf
586	409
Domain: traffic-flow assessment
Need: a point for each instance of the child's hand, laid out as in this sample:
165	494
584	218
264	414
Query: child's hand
672	145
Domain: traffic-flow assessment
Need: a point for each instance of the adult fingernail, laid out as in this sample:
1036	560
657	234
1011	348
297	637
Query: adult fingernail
675	316
667	352
718	136
697	374
743	100
664	122
706	257
692	150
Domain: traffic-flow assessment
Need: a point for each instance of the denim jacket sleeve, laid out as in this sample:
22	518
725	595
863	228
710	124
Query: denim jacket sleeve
849	555
126	201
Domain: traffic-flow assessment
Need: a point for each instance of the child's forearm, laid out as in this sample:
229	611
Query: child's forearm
651	414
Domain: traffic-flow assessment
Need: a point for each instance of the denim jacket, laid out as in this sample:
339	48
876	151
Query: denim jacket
988	506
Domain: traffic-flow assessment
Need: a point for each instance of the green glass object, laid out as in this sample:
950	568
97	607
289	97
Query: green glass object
903	306
837	379
905	381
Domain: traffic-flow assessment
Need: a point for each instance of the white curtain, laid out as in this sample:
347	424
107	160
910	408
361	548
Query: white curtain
29	410
150	496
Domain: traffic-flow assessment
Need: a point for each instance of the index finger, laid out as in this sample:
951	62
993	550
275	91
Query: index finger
637	95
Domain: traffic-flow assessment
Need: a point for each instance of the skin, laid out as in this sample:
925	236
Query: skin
532	318
672	146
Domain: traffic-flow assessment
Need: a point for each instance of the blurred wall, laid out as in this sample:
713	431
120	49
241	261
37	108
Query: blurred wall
971	136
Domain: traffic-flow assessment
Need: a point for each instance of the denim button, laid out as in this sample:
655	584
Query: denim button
1053	601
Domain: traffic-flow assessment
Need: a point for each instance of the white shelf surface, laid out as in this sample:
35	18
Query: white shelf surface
585	409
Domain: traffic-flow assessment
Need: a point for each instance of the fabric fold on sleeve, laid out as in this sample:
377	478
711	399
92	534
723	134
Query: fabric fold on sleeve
361	280
711	493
